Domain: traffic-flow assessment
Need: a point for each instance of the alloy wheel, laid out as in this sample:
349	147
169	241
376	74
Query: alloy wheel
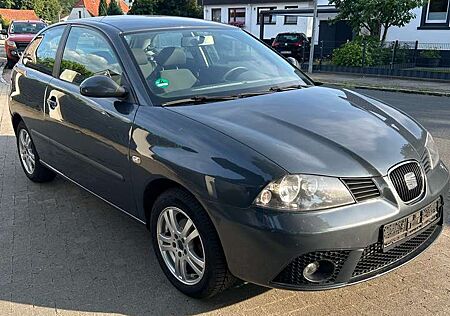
26	151
181	245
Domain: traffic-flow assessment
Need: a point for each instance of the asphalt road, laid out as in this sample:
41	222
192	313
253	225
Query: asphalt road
65	252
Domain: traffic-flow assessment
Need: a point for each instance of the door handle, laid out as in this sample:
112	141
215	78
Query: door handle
52	103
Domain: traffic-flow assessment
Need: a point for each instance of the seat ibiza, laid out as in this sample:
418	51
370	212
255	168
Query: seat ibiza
238	164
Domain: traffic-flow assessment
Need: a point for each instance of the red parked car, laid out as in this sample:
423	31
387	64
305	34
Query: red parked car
19	35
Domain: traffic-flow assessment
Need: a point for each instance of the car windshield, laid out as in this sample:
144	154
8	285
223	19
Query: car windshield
288	38
205	65
26	27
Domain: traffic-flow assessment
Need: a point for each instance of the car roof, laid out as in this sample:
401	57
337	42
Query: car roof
132	23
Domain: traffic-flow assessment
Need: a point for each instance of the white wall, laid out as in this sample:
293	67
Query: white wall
304	24
74	14
411	33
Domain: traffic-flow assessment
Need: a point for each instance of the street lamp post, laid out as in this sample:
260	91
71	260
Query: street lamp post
313	39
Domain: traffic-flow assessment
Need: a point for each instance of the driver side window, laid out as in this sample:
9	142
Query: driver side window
41	53
86	54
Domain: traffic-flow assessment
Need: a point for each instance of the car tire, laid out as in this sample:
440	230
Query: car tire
215	277
29	158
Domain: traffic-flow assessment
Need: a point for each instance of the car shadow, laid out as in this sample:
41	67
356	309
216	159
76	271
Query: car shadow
62	248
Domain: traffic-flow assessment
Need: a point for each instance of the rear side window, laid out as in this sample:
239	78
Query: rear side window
86	54
41	53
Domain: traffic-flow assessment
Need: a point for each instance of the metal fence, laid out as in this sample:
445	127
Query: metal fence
396	59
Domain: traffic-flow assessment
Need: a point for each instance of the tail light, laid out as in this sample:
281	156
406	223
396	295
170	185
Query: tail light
298	43
275	44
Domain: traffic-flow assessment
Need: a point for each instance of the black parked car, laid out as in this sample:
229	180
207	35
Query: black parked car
238	170
294	45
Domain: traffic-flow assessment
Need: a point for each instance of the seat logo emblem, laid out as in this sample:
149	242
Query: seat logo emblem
411	180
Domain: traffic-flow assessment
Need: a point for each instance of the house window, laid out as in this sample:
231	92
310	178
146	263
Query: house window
290	19
79	14
216	15
236	16
268	19
437	11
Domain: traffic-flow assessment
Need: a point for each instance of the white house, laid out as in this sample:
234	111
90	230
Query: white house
89	8
431	25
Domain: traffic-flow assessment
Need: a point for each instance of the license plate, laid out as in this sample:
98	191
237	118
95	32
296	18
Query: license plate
286	52
401	229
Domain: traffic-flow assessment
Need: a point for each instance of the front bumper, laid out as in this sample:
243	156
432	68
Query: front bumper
271	248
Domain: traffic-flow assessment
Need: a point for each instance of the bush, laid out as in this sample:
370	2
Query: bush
430	53
351	54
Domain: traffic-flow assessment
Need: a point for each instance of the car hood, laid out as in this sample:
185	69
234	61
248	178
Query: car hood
21	37
317	130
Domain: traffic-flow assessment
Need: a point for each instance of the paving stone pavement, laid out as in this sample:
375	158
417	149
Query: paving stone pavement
65	252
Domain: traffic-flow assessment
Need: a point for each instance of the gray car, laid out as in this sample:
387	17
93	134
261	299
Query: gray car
240	166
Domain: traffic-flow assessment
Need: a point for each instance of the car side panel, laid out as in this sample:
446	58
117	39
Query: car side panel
27	99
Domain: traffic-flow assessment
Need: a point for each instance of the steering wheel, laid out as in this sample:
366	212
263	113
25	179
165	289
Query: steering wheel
234	72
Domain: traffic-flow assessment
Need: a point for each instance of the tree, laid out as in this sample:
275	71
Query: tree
114	8
103	8
25	4
8	4
376	16
188	8
142	7
47	10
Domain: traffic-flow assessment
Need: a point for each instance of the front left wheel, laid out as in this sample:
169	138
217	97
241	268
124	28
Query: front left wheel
29	158
187	245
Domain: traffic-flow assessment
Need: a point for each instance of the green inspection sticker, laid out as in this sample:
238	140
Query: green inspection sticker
162	83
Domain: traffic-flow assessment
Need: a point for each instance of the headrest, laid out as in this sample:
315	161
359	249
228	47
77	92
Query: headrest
140	55
171	56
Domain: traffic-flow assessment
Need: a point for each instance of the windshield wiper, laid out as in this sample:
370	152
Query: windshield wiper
199	100
287	88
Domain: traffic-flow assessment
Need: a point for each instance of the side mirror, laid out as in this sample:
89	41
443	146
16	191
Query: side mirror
102	87
3	32
294	62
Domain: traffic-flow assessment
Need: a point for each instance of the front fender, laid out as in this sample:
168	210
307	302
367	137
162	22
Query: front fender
209	164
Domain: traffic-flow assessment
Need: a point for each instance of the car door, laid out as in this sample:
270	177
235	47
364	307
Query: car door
90	136
29	82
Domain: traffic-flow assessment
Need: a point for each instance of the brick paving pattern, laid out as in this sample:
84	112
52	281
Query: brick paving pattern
65	252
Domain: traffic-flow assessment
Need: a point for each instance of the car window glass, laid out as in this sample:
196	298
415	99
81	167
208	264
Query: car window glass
180	64
41	53
26	27
86	54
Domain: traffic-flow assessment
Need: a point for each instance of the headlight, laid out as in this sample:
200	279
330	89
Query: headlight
433	153
304	193
11	43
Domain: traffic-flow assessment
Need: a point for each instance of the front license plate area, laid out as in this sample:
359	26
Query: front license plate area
401	229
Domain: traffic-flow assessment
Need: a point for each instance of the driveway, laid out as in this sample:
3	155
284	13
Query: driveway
65	252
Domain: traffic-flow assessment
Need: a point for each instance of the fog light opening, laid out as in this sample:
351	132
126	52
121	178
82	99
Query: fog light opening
318	271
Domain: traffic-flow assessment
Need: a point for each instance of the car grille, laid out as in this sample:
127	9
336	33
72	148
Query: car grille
362	188
426	161
21	46
397	177
373	257
293	273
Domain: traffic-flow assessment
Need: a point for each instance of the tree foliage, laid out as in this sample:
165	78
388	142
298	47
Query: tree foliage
188	8
102	8
142	7
8	4
48	10
114	8
376	16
